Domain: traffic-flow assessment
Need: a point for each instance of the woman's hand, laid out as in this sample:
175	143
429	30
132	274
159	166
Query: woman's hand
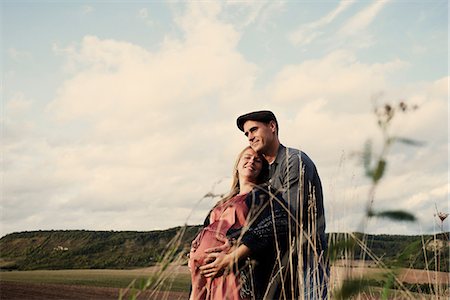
217	263
224	248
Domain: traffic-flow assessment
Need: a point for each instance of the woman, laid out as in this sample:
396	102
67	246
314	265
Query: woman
213	266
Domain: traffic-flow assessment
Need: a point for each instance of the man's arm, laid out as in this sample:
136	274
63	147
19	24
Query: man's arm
268	222
301	185
290	177
313	207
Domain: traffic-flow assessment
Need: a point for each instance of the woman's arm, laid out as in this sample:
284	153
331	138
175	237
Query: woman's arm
221	261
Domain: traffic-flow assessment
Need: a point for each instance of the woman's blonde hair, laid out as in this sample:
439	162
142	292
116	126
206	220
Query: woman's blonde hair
262	177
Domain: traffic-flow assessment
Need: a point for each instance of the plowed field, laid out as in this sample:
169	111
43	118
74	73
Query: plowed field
41	291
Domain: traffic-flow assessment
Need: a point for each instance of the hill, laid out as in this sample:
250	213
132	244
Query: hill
417	251
80	249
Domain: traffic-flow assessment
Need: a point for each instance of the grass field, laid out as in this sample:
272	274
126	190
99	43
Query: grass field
180	281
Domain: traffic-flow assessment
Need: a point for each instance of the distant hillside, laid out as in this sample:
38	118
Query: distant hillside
404	250
79	249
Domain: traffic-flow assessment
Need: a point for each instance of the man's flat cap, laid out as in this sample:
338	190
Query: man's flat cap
264	116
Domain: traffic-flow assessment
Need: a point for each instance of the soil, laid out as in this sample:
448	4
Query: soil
423	276
35	291
413	276
10	290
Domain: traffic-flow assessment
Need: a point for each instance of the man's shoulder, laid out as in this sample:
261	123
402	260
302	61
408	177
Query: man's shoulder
288	152
295	155
292	151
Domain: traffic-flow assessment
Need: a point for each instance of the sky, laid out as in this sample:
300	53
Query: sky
121	115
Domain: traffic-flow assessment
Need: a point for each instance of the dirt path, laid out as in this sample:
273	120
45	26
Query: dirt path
40	291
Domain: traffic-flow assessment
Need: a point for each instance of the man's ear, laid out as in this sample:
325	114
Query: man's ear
273	126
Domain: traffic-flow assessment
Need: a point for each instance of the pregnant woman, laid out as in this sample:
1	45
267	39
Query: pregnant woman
249	214
229	214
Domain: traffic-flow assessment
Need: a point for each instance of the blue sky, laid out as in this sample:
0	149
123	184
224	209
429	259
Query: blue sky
121	115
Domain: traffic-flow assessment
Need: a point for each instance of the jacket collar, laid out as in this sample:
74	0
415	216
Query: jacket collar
281	155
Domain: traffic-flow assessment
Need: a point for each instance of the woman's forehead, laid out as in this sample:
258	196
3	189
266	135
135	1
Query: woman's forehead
250	151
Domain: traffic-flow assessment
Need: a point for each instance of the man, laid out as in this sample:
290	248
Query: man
294	175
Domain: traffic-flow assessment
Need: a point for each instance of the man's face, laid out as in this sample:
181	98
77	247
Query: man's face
260	135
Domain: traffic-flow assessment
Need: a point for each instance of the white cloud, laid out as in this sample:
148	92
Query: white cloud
339	77
16	121
430	122
363	18
305	34
257	13
134	138
416	177
17	104
253	9
149	130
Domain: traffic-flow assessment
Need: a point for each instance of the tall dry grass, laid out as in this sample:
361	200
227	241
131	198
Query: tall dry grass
383	282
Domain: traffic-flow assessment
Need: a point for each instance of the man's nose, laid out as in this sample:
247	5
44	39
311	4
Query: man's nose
250	137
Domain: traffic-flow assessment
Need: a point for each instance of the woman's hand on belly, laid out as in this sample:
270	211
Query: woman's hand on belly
216	264
225	247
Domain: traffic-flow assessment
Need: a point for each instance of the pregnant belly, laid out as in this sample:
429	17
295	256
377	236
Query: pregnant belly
205	240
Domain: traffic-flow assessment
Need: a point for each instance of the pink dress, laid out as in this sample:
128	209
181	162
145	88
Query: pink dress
230	214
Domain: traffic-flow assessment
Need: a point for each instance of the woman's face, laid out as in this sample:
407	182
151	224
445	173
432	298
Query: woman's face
250	165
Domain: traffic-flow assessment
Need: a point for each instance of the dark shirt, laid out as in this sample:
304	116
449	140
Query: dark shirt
294	175
266	233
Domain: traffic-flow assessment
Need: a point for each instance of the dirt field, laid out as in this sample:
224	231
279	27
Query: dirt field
66	284
40	291
405	275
